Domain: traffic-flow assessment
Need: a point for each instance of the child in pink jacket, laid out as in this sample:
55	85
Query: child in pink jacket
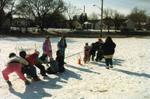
47	48
14	65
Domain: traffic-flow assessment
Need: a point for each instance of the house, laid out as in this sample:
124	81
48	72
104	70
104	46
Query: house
97	24
87	25
129	25
147	26
92	24
22	22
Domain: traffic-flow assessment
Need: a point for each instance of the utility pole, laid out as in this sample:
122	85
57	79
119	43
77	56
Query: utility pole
84	9
101	18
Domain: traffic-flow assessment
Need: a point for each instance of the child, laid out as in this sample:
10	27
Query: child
47	48
86	53
43	58
30	70
34	60
92	51
108	51
99	54
53	69
14	65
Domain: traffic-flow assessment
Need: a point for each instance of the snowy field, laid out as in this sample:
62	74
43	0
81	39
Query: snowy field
129	79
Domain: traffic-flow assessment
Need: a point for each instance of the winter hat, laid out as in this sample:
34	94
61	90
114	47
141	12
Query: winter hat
12	55
23	54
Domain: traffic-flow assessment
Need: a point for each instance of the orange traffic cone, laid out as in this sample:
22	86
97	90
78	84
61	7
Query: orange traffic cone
79	61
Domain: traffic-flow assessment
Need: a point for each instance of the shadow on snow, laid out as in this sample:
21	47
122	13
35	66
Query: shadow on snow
133	73
83	69
36	90
116	62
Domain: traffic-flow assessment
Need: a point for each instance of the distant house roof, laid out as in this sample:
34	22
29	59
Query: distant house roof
87	22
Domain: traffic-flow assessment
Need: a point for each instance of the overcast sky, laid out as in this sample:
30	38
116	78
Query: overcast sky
122	6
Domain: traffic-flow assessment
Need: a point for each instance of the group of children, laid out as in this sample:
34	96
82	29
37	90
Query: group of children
25	65
101	50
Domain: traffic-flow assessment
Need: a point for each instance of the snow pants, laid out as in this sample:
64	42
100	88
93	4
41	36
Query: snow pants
109	61
13	67
29	70
42	69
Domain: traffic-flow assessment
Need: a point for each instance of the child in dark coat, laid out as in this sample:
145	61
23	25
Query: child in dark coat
53	69
108	51
92	51
99	54
52	65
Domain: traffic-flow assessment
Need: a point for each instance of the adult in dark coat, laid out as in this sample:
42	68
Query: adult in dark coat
108	51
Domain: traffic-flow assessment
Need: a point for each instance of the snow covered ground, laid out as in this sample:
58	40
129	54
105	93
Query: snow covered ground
129	79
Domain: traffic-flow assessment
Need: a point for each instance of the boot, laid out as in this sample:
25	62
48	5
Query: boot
9	83
107	67
111	66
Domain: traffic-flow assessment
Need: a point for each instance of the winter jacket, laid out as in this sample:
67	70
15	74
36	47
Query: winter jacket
62	44
87	50
53	69
17	59
47	46
108	48
32	58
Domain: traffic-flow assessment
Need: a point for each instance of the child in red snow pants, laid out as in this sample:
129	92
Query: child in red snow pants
13	67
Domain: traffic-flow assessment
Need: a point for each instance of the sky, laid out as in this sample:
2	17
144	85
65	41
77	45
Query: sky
122	6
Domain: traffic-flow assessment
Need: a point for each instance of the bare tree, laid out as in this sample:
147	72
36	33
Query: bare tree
109	12
93	16
6	5
113	18
118	19
108	17
40	8
138	16
71	12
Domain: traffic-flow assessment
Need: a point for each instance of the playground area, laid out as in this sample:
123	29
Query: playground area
129	79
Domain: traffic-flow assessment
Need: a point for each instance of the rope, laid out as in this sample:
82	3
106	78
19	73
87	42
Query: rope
73	54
